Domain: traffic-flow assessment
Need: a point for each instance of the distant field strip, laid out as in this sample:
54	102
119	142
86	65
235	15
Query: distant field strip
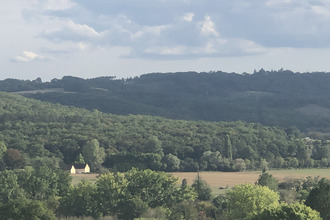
230	179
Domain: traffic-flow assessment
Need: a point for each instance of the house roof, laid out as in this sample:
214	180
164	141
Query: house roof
79	166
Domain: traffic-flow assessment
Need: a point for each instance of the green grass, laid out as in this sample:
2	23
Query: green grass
78	178
307	172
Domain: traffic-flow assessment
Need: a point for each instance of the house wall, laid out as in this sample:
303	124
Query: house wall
87	169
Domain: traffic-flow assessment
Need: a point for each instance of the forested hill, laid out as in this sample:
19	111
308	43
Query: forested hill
275	98
36	133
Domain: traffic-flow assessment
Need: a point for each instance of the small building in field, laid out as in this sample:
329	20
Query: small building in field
80	168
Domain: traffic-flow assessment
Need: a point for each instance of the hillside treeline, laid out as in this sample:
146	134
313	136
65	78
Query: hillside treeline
274	98
36	133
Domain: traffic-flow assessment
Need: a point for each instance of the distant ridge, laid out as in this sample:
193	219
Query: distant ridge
276	98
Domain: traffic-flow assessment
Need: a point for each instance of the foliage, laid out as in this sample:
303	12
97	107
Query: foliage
202	188
275	98
319	198
80	201
246	201
111	190
126	196
266	179
154	188
294	211
43	133
9	187
93	154
26	209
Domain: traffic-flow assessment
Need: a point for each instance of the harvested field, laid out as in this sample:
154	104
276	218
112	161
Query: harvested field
230	179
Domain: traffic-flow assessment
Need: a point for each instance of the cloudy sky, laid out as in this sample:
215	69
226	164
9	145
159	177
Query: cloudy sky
124	38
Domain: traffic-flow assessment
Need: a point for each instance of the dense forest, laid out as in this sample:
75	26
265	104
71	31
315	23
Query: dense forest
273	98
131	149
34	132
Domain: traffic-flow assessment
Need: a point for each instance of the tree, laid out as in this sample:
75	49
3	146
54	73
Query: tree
80	159
44	182
228	146
111	190
172	162
239	164
154	188
202	188
80	201
131	208
26	209
3	148
319	198
9	187
13	159
94	154
154	145
186	192
247	201
266	179
293	211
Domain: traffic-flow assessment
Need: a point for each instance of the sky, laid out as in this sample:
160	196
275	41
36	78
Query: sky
126	38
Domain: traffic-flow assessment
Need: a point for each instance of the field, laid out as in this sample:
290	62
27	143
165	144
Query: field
229	179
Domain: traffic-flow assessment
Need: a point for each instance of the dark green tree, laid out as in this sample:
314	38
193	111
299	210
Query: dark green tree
266	179
81	200
202	188
19	209
319	198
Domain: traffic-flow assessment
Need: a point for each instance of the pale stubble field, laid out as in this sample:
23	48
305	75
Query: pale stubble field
229	179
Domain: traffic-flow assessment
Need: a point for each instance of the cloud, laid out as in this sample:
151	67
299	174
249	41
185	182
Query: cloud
27	56
188	16
71	31
208	27
57	4
184	28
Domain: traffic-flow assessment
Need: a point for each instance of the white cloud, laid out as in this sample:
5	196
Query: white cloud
160	30
188	16
208	27
71	31
27	56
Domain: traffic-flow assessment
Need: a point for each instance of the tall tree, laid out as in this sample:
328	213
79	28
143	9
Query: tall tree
229	148
94	154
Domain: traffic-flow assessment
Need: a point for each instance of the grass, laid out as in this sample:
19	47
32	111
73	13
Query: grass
77	178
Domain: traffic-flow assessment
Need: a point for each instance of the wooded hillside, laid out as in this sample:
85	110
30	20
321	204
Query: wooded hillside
34	133
274	98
